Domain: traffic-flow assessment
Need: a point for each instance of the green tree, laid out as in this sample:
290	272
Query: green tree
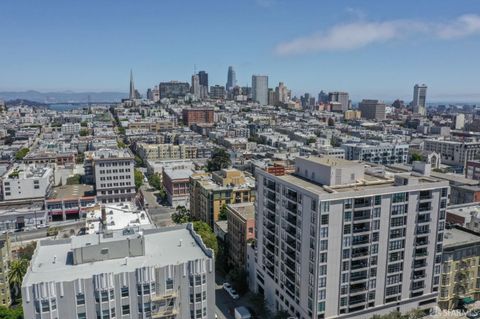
26	252
282	314
11	313
83	124
258	302
121	144
121	130
238	277
138	176
208	237
74	180
21	153
220	159
18	269
80	158
83	132
181	215
138	161
222	214
415	157
311	140
155	182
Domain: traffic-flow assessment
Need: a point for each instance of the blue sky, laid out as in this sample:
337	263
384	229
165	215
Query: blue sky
372	49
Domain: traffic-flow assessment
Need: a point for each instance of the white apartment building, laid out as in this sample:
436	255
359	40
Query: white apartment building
378	153
113	173
71	128
156	273
453	152
27	181
336	241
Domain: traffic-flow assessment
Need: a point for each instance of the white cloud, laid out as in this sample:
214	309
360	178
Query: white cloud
463	26
350	36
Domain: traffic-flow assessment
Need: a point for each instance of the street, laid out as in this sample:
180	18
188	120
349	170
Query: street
224	303
161	215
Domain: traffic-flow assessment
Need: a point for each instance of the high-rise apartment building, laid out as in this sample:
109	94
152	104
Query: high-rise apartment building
341	97
151	273
335	240
231	79
419	99
372	109
260	89
198	115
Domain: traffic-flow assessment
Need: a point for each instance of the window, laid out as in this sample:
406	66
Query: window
45	305
80	299
124	291
169	283
82	315
348	216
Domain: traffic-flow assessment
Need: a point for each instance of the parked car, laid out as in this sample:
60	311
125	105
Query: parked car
473	314
242	313
231	291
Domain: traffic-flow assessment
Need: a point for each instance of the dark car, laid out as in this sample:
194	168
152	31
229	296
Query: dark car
473	314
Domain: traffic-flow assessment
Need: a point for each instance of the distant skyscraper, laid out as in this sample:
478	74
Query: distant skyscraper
322	97
341	97
231	79
282	92
203	80
260	89
419	99
132	87
196	85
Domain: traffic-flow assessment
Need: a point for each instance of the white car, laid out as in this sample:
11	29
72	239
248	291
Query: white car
231	291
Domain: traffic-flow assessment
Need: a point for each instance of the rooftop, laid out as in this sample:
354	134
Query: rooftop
459	236
246	210
72	191
52	260
117	216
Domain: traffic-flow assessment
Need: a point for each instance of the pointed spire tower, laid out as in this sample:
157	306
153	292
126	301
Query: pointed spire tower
132	87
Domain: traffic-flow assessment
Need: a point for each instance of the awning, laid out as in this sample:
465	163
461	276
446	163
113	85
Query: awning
468	300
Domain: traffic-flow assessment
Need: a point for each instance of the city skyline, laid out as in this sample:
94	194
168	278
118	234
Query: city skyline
343	50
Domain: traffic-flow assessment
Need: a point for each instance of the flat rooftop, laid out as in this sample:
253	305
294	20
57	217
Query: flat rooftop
246	210
118	216
162	247
72	191
457	236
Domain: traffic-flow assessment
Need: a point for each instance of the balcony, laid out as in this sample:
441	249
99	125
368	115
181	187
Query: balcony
292	208
423	231
271	196
360	275
292	243
360	228
271	186
291	196
421	241
360	240
361	215
290	275
270	206
362	202
423	219
420	264
163	297
358	264
359	252
271	217
356	288
164	313
422	252
358	299
291	230
290	264
291	219
419	274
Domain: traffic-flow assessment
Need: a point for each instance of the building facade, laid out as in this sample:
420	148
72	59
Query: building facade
27	181
372	110
453	152
336	242
113	173
419	103
122	274
260	89
378	153
198	116
241	230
